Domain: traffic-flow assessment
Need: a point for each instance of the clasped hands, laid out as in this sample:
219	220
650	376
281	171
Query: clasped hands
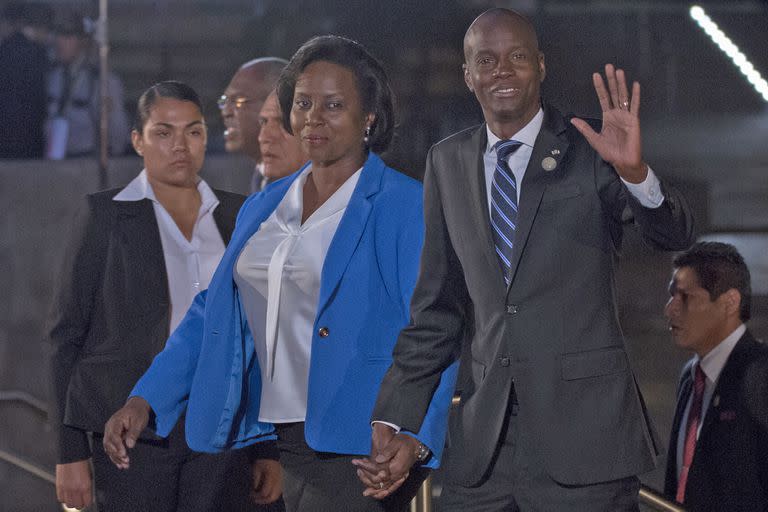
392	457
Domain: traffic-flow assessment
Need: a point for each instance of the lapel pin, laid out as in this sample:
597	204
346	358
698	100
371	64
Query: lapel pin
555	152
549	164
716	401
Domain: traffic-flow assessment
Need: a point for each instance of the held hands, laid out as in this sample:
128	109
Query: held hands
267	481
74	484
390	462
618	142
123	429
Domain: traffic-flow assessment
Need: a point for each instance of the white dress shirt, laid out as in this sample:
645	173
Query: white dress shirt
712	365
648	193
189	264
278	274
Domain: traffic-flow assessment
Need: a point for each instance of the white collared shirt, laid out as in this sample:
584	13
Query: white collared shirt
278	274
648	193
189	264
712	365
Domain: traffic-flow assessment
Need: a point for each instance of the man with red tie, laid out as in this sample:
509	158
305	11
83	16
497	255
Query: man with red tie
718	449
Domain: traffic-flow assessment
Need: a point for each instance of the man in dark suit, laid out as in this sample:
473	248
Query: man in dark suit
718	449
551	417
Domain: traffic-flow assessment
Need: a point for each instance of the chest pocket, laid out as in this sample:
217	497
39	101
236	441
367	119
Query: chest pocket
560	192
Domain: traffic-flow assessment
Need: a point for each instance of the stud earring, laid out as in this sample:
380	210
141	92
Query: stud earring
367	136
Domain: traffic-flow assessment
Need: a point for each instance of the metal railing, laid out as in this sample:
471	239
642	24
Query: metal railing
647	496
656	501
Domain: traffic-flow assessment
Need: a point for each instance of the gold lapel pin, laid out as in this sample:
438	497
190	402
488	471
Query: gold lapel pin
549	164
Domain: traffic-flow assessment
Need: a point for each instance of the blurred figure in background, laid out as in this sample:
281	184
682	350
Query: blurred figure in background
718	450
72	127
240	106
281	152
23	65
138	257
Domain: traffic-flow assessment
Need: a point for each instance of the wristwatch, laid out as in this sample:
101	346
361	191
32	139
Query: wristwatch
422	453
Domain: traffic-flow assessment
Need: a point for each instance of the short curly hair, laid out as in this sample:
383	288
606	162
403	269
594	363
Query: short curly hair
372	83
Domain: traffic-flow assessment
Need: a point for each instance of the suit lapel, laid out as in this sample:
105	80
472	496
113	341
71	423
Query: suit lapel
550	143
139	237
725	391
350	229
472	159
683	395
224	220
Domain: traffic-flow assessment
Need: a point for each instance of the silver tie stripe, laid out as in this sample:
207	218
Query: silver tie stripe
504	205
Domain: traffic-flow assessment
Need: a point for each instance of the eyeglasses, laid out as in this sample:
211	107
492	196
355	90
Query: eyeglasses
238	102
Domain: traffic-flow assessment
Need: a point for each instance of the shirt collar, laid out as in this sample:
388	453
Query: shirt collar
527	134
712	363
139	188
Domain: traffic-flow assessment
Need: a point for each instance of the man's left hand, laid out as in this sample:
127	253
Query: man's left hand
619	142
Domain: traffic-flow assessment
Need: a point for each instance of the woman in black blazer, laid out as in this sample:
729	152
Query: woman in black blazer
137	258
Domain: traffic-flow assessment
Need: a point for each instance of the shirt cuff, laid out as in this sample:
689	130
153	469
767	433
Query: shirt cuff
648	192
390	425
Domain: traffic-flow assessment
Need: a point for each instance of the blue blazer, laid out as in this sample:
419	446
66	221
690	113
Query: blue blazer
209	364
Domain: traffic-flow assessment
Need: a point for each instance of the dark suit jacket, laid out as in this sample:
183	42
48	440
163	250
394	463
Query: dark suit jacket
730	465
554	332
111	313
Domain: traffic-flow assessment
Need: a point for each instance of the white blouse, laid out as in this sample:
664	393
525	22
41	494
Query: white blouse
278	276
189	264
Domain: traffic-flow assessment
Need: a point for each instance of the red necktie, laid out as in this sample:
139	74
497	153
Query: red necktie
691	429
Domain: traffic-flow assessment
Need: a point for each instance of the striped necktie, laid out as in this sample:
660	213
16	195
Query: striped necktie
504	206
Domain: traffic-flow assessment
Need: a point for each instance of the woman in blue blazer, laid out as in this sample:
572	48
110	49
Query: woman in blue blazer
297	328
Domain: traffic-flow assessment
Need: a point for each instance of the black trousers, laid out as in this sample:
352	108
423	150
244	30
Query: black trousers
318	482
517	482
166	476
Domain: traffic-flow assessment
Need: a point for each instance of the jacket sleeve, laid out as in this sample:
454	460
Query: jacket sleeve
433	428
417	388
167	382
670	227
69	320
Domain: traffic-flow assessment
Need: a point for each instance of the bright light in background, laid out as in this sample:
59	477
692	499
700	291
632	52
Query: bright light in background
731	50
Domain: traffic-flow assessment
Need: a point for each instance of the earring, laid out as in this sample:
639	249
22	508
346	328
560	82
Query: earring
367	136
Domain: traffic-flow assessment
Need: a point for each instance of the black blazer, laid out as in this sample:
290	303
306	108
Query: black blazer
730	464
553	333
111	312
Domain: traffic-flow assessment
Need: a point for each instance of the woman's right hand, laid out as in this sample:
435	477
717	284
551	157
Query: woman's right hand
123	429
74	484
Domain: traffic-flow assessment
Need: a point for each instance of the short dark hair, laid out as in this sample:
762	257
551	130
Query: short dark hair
372	83
719	267
168	89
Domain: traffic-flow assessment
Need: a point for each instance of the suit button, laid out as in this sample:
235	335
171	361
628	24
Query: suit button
323	332
512	309
504	361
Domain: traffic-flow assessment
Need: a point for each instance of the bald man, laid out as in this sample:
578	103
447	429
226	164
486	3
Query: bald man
523	220
240	106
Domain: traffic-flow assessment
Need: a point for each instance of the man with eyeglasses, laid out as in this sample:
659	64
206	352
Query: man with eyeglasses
240	106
